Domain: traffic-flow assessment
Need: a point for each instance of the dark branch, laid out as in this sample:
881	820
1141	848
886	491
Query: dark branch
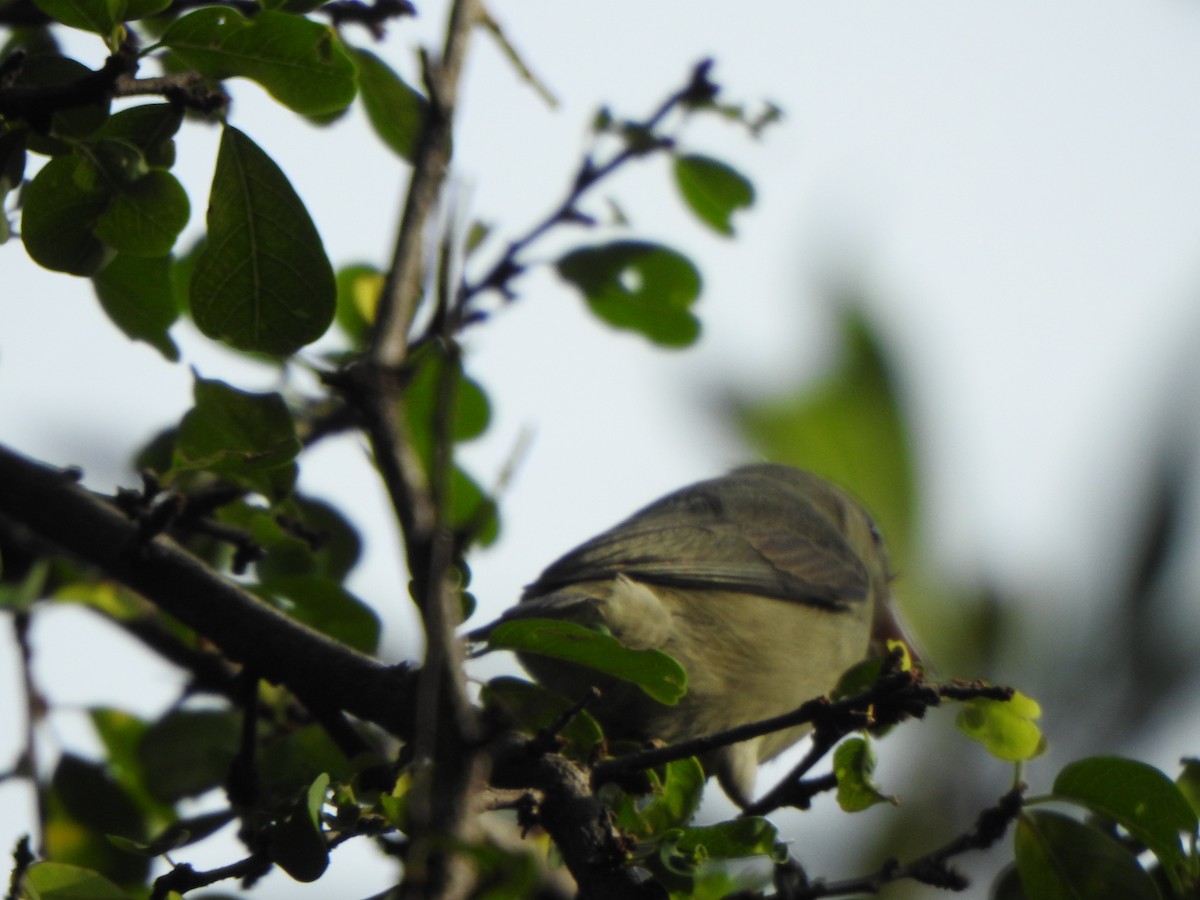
320	671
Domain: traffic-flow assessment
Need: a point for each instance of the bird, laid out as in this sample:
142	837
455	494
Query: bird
765	584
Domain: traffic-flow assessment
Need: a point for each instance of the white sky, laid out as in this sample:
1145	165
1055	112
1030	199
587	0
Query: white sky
1018	185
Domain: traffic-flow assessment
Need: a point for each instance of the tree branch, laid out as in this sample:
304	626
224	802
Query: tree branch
321	672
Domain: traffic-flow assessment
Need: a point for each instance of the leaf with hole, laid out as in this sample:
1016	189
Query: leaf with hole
638	286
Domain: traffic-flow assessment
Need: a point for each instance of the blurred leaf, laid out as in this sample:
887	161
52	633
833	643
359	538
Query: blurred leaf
422	396
1006	728
121	734
713	190
57	218
358	290
59	881
853	764
136	294
150	127
328	607
639	287
83	806
657	674
262	282
95	800
250	438
1189	782
1061	859
301	63
296	757
303	537
849	429
1007	885
1140	799
534	708
188	752
396	111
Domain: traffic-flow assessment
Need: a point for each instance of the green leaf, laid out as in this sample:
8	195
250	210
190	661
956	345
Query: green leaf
145	217
853	764
262	282
396	111
328	607
248	437
97	16
534	708
94	799
301	63
304	537
59	881
736	839
639	287
358	290
1140	799
1061	859
54	69
150	127
656	673
57	218
136	294
675	793
188	752
713	190
1007	728
296	844
1188	782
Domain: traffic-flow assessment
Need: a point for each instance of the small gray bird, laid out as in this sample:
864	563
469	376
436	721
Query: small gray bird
765	584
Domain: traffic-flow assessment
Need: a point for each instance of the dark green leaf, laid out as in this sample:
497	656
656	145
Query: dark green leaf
144	217
1007	728
328	607
150	127
248	437
395	110
59	881
87	15
301	63
74	122
534	708
57	219
304	537
296	757
423	399
638	286
1061	859
189	752
713	190
1189	782
262	282
140	9
136	295
1007	885
660	676
1140	799
853	764
296	844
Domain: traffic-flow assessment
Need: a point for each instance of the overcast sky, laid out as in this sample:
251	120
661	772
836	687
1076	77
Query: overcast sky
1016	187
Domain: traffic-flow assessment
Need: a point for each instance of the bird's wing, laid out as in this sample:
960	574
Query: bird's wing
751	534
